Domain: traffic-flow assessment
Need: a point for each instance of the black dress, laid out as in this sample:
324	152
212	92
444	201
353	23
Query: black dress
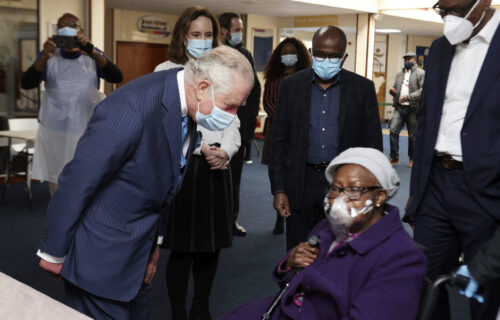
201	216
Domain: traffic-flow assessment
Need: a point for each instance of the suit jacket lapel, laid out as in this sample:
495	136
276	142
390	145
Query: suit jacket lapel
487	75
305	102
442	70
172	121
344	87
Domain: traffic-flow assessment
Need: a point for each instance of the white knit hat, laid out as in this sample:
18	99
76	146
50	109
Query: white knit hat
371	159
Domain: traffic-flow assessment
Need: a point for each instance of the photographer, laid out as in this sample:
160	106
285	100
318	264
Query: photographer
71	67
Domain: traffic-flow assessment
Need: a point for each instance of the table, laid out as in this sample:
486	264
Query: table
29	136
21	302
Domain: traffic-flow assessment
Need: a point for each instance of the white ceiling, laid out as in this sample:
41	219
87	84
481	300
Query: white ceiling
276	8
410	26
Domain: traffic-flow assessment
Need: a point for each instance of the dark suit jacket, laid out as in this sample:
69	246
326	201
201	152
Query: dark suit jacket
104	215
485	266
480	136
248	113
359	126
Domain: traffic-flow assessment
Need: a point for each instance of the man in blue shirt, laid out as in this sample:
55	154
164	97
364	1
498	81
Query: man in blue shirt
320	112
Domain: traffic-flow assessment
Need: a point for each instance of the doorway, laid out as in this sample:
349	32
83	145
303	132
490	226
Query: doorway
136	59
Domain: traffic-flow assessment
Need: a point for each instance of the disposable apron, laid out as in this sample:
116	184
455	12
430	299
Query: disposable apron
68	101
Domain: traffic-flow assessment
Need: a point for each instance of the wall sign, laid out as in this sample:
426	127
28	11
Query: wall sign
154	26
315	21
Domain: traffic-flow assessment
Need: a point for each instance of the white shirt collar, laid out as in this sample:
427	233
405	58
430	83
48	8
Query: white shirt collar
182	92
490	28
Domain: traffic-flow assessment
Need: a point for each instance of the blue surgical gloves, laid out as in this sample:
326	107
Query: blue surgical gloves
472	287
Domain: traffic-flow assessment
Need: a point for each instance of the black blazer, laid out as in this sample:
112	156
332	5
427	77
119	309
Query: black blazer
480	135
359	126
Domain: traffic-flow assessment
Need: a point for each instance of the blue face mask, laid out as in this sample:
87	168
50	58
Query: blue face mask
217	120
289	59
408	64
326	69
67	31
197	47
235	39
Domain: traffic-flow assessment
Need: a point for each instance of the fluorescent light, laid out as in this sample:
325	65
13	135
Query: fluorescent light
388	30
358	5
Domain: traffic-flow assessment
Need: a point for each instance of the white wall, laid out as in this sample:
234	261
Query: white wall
414	41
365	41
261	22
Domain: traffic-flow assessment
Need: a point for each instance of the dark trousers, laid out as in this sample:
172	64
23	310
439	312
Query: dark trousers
106	309
401	116
450	221
310	212
247	146
236	170
204	266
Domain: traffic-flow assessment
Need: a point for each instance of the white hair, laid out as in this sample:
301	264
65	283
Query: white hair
223	67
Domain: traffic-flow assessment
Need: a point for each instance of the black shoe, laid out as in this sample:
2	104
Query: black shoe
279	227
239	230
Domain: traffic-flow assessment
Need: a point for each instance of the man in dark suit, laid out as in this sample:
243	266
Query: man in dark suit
102	222
231	27
320	112
455	182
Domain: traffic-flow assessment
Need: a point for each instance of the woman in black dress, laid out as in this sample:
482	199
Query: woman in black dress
201	216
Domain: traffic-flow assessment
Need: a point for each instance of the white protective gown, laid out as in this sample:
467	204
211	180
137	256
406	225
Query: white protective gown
68	101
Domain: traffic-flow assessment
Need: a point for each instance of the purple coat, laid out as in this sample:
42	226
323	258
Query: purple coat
377	276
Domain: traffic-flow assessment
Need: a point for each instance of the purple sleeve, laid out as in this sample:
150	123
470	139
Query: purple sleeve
100	73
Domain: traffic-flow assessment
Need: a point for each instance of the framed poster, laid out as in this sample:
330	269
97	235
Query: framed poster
422	53
27	53
379	70
262	47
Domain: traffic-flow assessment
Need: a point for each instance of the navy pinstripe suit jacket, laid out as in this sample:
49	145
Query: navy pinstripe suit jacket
104	215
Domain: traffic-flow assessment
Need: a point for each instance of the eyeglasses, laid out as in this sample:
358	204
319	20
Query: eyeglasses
352	193
320	58
455	11
72	24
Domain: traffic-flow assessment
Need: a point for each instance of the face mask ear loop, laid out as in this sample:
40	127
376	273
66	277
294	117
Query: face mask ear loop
480	19
472	9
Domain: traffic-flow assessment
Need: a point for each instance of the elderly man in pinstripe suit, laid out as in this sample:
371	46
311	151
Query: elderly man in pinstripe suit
103	220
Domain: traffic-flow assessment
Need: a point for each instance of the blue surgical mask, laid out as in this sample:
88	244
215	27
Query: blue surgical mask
289	60
408	64
326	69
217	120
197	47
235	39
67	31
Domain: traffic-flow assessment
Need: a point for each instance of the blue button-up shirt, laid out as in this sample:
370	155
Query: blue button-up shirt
323	140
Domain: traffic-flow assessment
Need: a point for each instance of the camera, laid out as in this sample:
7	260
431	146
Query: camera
65	42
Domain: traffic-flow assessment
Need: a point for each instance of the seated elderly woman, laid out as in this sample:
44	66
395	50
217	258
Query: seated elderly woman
365	265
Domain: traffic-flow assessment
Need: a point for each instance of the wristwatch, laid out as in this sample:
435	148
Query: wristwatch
99	53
